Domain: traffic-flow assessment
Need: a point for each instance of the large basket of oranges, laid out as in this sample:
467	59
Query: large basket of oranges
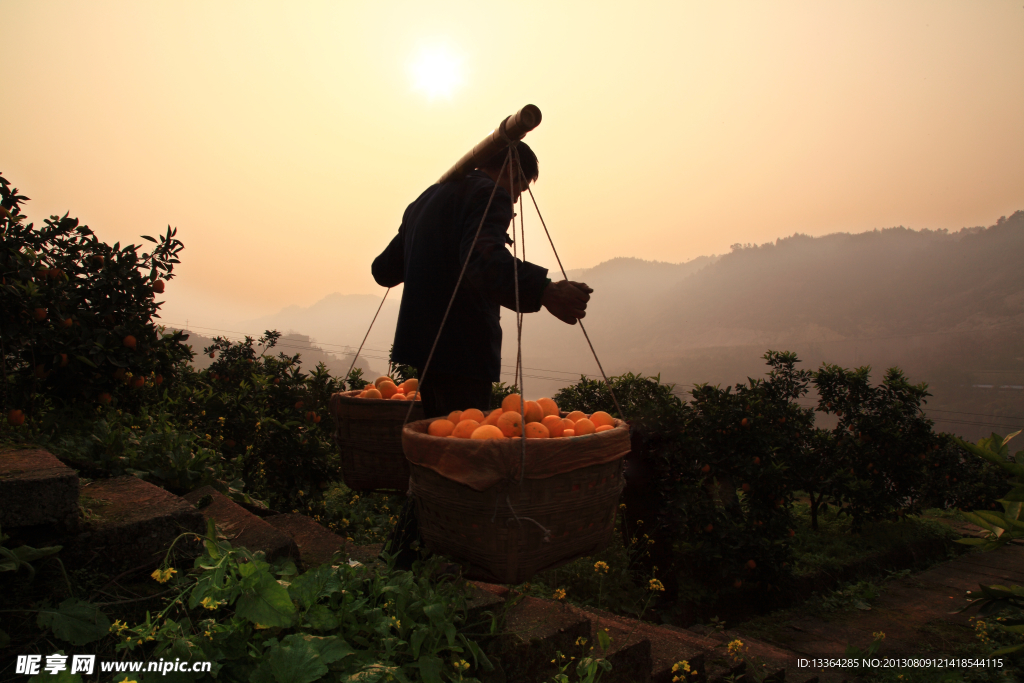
368	432
473	506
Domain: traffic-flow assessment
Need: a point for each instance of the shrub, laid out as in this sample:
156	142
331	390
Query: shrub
267	417
78	326
877	446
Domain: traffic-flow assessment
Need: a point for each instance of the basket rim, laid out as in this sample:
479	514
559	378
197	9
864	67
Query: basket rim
348	396
619	424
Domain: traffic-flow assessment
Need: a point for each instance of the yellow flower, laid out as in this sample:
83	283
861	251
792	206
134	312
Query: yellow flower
208	635
261	627
878	635
601	567
221	420
581	641
736	649
684	665
655	585
210	603
164	575
559	594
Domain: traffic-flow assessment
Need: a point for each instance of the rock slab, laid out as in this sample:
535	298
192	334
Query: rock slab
316	544
37	489
129	523
241	527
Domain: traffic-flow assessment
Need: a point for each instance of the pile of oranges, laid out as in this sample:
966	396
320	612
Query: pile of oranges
385	387
540	419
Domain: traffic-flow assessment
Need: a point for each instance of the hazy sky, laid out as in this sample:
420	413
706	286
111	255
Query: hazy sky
284	140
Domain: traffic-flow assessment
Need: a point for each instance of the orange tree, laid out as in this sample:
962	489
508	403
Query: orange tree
879	447
77	325
729	478
267	417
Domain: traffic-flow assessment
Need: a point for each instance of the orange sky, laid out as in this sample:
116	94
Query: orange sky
284	140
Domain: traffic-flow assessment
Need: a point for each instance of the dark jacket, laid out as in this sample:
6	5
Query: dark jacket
427	254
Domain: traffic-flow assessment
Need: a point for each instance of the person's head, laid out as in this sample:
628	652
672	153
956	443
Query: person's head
527	162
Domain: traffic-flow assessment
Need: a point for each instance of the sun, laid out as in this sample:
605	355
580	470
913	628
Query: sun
436	72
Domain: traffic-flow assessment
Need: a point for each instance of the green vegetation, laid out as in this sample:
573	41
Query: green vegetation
88	374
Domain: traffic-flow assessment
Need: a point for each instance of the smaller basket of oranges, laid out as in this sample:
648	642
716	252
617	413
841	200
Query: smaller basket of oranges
368	432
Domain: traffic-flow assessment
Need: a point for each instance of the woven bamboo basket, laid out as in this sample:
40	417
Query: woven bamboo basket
368	433
574	510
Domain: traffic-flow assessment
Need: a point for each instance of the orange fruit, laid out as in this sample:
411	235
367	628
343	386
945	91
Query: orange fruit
569	432
398	397
486	432
382	378
472	414
129	341
602	418
568	424
536	430
510	423
584	426
548	406
413	396
39	314
15	418
465	429
401	388
63	360
411	385
371	393
138	382
492	417
387	389
603	428
455	416
577	415
159	379
513	403
105	397
554	425
158	286
441	428
534	413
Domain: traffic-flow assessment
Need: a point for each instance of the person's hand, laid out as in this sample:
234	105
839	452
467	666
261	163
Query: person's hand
566	300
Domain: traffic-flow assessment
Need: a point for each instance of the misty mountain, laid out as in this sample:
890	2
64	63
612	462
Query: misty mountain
288	344
946	307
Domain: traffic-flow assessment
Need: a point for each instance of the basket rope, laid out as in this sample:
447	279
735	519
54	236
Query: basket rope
356	357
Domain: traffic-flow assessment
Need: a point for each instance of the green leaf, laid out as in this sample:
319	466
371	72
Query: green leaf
321	618
311	587
75	621
416	641
1010	649
267	603
430	668
329	648
294	662
603	639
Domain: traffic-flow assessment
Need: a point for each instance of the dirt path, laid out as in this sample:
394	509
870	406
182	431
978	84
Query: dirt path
913	612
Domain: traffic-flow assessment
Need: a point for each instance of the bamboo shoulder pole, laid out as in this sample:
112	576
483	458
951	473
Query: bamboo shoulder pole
513	128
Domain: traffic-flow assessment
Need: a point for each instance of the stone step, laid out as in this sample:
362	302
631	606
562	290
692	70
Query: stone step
241	527
534	632
129	523
629	652
37	489
316	544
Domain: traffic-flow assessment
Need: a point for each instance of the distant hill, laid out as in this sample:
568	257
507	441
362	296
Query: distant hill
946	307
289	344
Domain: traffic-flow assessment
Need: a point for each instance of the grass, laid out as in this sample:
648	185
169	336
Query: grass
834	548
